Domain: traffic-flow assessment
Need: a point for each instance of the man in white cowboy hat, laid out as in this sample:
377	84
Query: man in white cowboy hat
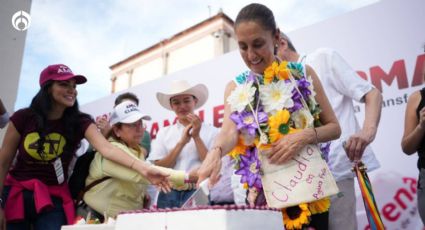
184	145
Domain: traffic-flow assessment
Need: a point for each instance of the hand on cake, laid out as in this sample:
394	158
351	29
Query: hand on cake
210	167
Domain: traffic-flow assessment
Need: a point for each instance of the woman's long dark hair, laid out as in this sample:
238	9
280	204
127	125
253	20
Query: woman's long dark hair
41	105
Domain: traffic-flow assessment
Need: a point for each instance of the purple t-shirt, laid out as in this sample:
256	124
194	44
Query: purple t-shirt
29	163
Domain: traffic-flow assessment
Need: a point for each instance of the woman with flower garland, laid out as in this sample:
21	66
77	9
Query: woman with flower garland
269	106
44	138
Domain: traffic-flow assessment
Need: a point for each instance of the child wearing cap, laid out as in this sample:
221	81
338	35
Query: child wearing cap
44	138
126	189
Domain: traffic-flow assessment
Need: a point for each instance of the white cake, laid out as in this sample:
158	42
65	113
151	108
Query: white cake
203	218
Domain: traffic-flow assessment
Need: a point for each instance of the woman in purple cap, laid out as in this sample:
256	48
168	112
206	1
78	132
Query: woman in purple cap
44	138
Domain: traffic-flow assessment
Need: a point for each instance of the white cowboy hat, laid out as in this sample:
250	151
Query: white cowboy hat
127	112
181	87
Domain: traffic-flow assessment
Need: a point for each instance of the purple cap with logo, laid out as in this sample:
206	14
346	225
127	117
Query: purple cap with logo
59	72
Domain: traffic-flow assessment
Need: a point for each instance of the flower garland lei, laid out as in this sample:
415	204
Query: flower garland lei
265	109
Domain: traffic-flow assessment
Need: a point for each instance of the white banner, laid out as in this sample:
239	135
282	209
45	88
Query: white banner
384	42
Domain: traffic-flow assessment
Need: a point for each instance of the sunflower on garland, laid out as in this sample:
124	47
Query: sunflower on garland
265	109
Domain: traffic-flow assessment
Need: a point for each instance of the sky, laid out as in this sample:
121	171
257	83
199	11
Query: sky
90	36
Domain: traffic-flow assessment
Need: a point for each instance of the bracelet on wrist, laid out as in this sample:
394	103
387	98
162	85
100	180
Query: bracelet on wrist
1	202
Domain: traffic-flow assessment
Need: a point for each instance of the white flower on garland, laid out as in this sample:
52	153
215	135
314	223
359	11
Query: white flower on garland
276	96
302	119
241	96
312	96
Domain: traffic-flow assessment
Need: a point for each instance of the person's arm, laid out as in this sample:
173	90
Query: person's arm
120	172
228	135
115	154
330	130
7	153
170	159
414	128
291	144
357	143
224	142
348	83
114	170
200	147
178	177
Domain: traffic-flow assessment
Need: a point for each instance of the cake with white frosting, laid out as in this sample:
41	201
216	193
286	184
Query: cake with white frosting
229	217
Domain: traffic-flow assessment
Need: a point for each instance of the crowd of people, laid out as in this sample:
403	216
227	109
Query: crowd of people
41	140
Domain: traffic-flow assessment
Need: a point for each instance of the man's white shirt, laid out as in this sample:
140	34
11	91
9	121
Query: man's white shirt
342	85
168	137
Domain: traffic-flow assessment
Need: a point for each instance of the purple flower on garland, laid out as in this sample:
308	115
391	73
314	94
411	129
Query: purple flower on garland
249	168
251	76
296	97
245	121
303	85
325	149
